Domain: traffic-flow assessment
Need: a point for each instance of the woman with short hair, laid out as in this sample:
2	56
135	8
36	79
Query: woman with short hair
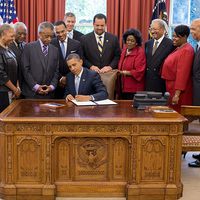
8	67
132	64
177	69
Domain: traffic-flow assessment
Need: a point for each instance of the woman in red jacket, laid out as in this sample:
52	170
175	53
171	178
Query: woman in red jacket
132	64
177	69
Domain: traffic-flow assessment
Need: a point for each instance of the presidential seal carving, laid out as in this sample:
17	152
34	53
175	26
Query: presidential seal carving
92	153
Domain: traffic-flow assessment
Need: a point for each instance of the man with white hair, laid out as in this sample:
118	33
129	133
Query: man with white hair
18	44
156	49
20	34
40	64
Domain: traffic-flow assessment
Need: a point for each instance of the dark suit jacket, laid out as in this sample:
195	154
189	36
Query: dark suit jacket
38	69
18	53
153	81
77	35
90	84
73	46
110	55
196	79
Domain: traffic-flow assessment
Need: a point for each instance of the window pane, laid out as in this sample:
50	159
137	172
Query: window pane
180	12
85	11
181	9
195	9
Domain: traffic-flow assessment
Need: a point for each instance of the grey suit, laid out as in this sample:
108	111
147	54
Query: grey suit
38	69
196	79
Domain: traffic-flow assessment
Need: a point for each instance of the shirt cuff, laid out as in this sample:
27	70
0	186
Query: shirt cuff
92	97
35	88
52	87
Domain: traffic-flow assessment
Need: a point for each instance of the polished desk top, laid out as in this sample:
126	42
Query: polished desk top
30	110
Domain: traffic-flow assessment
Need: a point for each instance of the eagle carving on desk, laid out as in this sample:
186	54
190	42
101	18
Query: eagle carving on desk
92	153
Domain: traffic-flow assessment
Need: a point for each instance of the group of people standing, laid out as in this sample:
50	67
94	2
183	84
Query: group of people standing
169	64
63	58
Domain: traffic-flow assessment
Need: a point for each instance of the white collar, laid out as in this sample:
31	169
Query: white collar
80	74
65	41
97	36
159	40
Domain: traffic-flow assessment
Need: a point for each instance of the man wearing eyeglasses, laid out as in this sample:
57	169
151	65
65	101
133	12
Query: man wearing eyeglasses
156	49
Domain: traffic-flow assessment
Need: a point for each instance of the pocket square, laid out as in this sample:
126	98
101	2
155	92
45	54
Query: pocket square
72	51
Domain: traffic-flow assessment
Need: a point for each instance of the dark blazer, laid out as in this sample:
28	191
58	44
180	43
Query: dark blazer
110	55
73	46
196	79
90	84
77	35
153	80
18	53
38	69
16	50
8	71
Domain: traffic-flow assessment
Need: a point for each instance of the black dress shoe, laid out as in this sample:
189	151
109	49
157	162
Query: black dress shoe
196	156
195	163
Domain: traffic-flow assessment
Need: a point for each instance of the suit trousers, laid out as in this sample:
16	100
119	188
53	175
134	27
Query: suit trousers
4	103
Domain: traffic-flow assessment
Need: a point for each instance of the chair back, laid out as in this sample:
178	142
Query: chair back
109	80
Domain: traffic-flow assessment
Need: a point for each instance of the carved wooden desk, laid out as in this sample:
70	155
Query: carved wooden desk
93	151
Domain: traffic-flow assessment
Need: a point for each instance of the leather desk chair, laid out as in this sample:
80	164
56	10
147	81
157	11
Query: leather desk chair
109	80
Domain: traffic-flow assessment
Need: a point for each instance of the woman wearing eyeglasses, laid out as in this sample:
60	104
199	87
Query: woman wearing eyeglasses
132	64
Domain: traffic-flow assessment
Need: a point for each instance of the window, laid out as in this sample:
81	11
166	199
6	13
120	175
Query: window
183	12
84	11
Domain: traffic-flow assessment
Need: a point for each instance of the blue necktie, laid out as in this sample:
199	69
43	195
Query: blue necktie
77	81
62	46
70	35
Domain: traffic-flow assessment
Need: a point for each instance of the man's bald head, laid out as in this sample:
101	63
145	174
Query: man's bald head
195	29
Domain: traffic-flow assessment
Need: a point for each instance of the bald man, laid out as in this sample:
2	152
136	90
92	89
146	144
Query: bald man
195	31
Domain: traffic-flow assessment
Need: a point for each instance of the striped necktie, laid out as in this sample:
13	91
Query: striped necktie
45	50
100	44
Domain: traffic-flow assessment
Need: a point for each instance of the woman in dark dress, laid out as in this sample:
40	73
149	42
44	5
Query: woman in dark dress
8	68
